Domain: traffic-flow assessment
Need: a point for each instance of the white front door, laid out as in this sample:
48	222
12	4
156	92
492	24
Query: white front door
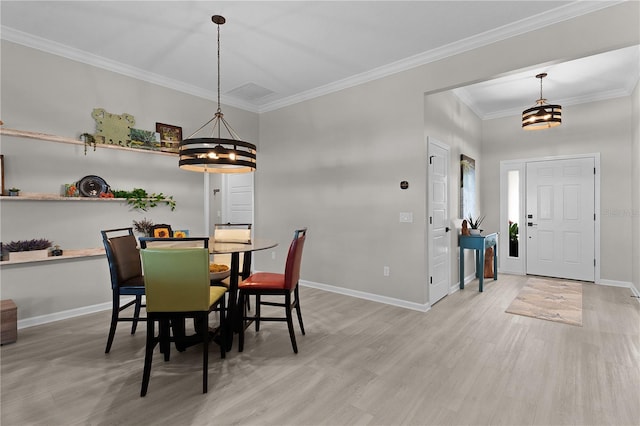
438	222
238	198
560	222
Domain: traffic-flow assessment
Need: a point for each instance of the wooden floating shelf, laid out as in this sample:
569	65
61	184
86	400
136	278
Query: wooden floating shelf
63	139
67	254
33	196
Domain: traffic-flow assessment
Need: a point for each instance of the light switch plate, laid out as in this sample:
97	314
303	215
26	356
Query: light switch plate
406	217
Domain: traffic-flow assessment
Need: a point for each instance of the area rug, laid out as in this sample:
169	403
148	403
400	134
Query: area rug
551	300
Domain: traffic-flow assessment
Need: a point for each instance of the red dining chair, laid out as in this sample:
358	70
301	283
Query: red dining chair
276	284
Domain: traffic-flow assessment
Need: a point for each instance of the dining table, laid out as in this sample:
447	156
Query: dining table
234	316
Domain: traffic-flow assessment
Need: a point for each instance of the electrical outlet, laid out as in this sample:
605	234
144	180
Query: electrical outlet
385	271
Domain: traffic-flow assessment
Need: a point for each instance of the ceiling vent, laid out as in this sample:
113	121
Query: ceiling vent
249	92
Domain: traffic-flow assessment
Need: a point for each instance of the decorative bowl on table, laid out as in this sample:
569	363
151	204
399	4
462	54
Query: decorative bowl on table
218	272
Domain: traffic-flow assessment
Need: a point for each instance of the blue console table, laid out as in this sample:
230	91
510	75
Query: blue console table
479	243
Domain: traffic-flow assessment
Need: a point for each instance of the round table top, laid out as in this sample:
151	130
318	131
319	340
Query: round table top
230	247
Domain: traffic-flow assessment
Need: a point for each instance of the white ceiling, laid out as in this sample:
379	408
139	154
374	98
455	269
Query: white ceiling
278	53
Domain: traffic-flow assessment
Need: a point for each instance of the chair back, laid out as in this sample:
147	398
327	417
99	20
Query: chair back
156	242
176	279
123	256
294	259
232	233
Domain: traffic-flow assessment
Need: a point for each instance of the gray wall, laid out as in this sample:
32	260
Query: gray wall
450	121
334	163
49	94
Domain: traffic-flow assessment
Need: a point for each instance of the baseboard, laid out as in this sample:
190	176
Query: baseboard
367	296
57	316
624	284
456	286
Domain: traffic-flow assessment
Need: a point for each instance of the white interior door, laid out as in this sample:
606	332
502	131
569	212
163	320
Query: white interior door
560	222
237	202
438	223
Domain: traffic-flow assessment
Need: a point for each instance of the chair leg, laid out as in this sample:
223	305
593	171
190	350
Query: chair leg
178	327
242	318
204	332
223	321
290	322
148	356
136	314
257	317
114	322
297	305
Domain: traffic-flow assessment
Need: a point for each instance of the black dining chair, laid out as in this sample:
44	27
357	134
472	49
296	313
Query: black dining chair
235	233
126	277
238	233
276	284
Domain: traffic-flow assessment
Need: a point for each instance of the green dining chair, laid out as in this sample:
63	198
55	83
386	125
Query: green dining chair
177	287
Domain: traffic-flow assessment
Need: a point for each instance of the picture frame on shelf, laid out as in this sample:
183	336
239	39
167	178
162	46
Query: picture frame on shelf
170	136
145	139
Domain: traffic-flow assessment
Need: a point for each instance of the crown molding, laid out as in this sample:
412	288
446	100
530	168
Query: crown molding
563	13
55	48
577	100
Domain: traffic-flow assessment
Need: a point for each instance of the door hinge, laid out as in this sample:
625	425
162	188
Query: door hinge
430	220
431	159
594	262
594	216
594	170
430	280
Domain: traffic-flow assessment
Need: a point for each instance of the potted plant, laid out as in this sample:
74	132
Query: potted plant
14	192
143	226
513	239
28	249
475	224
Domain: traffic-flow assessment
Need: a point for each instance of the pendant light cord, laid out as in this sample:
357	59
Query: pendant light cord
219	113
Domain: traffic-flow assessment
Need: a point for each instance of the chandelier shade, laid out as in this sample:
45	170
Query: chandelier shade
543	115
217	154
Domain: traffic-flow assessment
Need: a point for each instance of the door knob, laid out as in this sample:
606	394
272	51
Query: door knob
447	229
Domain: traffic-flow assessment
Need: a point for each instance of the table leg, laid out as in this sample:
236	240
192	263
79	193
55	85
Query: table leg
495	261
480	267
461	268
232	314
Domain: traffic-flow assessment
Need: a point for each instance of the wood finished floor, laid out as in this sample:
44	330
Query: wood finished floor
465	361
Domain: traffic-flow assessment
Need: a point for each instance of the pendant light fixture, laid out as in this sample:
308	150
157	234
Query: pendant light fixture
543	115
216	154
